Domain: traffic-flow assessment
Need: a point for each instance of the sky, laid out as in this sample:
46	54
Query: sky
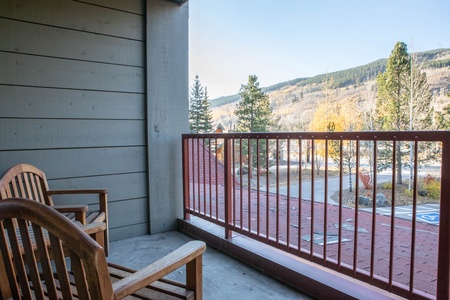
280	40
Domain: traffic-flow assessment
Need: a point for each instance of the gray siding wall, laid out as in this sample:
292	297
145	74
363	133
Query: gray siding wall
74	101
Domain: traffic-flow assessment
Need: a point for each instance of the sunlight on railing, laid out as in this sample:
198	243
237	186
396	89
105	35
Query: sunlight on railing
366	204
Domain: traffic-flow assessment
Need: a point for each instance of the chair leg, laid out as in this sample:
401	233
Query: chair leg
194	277
98	237
106	240
103	201
5	291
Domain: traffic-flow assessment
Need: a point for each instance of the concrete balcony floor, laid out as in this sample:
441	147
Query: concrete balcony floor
223	276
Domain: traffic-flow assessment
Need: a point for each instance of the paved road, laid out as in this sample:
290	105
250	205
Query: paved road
428	213
319	187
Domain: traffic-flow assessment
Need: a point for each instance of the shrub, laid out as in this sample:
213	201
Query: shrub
428	179
387	185
433	188
408	193
366	180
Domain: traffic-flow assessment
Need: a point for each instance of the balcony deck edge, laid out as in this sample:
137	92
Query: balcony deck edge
308	278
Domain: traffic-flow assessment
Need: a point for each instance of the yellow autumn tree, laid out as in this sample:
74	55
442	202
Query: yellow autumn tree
340	117
326	118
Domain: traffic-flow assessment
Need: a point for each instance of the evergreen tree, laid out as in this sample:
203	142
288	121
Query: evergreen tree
200	114
206	117
254	114
253	110
403	103
392	108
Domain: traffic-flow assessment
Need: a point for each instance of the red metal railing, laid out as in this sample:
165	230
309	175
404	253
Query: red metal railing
265	186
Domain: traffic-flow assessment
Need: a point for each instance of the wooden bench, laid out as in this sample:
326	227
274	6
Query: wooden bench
36	271
27	181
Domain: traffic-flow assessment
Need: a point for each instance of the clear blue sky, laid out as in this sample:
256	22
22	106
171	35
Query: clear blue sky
279	40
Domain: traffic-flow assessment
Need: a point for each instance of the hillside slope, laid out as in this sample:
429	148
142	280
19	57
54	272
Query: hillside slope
295	101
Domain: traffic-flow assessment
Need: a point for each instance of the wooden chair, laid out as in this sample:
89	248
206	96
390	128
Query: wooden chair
27	181
37	271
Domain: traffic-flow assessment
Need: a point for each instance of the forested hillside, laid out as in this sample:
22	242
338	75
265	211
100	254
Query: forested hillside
295	101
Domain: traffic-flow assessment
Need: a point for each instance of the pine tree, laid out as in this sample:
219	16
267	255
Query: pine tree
403	103
392	108
206	117
200	115
254	114
253	110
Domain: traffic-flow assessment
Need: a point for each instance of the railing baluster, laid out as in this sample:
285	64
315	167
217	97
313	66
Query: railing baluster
300	190
258	186
374	210
249	178
288	204
217	181
277	226
341	142
325	206
232	166
267	191
229	164
204	175
392	245
413	230
210	177
241	181
313	158
355	244
198	174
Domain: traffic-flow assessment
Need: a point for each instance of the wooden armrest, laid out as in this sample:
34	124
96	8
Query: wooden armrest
79	211
102	195
71	208
158	269
68	192
93	227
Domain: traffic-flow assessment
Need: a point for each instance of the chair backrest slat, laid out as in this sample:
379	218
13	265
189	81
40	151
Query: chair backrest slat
23	186
30	259
14	242
61	267
45	262
78	269
32	187
7	261
15	188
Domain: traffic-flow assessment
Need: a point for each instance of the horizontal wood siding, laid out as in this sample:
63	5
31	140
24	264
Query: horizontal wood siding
44	103
42	40
33	71
81	162
70	133
73	100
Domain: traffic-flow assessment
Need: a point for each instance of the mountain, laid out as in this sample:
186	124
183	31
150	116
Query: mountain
295	101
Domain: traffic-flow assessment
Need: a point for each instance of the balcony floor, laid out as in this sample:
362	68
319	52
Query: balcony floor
223	276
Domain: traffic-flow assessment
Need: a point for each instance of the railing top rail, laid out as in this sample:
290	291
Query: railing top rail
432	136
